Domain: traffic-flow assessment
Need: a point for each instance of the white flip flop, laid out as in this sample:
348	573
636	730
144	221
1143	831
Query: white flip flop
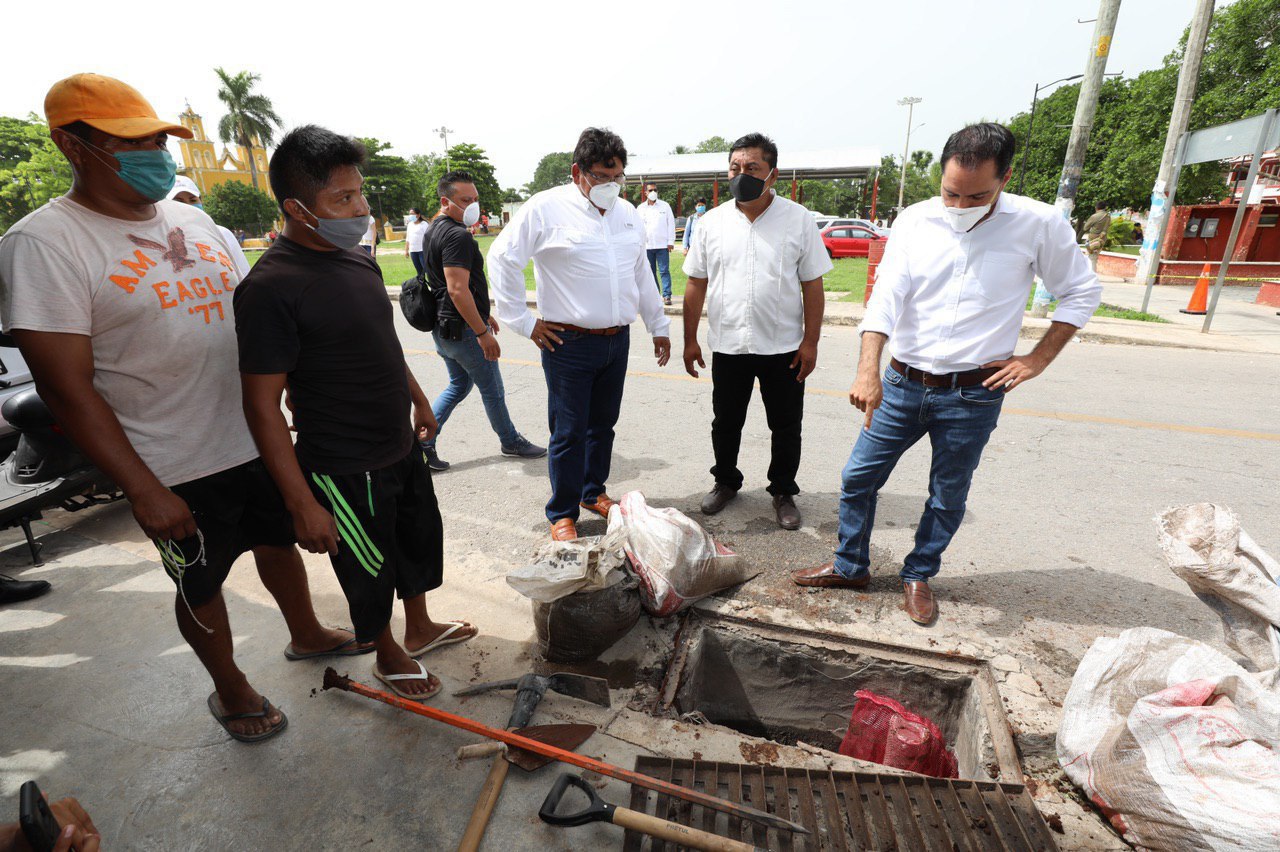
444	639
391	680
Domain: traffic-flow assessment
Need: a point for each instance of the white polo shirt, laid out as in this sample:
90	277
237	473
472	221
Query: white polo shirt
753	272
659	224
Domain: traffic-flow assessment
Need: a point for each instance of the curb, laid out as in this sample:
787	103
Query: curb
1099	330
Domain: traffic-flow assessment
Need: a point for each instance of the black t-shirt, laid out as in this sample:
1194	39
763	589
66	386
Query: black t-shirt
323	317
449	243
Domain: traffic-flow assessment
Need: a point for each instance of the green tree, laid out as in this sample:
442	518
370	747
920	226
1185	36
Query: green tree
238	206
552	171
467	157
1240	76
32	169
512	194
249	115
714	145
406	183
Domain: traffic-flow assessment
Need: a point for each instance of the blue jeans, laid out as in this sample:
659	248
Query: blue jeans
418	264
660	263
585	375
958	422
468	368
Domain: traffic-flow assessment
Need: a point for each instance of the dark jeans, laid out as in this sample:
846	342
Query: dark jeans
585	375
732	377
416	257
958	422
660	263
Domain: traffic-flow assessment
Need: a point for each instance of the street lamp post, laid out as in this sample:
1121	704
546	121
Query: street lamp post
910	104
444	135
378	190
1031	124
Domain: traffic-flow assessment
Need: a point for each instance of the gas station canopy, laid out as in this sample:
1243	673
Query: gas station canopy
826	164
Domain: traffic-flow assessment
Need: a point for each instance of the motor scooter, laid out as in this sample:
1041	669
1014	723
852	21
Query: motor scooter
44	470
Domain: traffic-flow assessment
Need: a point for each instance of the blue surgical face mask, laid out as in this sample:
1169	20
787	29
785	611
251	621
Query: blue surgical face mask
340	233
701	208
150	173
199	205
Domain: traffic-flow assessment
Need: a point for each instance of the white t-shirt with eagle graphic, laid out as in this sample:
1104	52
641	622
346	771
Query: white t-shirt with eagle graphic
155	298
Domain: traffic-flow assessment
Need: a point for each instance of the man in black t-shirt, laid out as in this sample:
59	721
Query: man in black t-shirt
314	314
465	332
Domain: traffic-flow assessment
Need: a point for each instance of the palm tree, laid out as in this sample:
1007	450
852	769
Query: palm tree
249	115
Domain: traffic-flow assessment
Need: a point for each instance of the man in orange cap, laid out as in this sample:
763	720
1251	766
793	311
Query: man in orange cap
121	304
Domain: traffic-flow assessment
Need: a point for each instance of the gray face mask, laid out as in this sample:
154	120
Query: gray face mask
339	233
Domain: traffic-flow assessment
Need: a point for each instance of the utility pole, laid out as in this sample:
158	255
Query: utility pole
1081	127
1179	120
444	135
910	104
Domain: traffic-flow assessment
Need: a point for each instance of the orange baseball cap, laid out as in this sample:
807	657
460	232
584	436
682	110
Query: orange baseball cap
107	104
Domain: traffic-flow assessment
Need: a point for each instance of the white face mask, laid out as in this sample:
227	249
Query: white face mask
470	213
604	195
653	196
964	218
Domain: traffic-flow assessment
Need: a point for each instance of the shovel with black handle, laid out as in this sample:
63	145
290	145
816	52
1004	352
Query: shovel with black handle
598	810
529	691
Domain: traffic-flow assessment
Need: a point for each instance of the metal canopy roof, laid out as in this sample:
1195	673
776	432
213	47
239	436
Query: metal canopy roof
827	164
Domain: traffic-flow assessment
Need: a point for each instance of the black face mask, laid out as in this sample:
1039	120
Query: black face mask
746	188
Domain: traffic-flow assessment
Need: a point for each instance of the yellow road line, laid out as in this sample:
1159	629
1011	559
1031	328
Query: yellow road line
1064	416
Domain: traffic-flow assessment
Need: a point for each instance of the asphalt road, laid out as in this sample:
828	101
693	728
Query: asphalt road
103	699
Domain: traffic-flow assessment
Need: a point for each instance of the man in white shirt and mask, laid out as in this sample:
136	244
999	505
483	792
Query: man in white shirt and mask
415	238
950	296
588	252
660	237
757	262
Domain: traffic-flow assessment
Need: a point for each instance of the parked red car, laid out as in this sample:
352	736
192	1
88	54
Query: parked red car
849	241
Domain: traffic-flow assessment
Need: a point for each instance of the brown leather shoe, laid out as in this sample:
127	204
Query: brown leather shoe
601	505
918	598
564	530
826	575
717	498
784	505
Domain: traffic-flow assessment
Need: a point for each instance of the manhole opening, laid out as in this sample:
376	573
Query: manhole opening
794	686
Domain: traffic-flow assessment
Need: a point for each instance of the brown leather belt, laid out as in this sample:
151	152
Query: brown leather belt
605	332
967	379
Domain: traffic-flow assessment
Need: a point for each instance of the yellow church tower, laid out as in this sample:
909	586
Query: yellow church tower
201	163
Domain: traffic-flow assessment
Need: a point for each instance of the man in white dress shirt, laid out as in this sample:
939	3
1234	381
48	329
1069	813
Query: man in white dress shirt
757	261
660	237
950	295
588	252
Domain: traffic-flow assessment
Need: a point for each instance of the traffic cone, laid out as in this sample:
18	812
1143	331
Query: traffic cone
1199	304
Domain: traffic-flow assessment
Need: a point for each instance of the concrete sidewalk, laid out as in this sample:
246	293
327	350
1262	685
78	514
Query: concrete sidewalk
1238	324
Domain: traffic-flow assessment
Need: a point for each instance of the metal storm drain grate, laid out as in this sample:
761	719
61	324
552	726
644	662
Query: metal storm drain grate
846	810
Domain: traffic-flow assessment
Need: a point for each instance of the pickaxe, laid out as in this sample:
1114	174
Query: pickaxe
529	692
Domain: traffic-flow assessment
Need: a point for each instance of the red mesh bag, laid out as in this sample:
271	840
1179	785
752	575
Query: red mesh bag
883	731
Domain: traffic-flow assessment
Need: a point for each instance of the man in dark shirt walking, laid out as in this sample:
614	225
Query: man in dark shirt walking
465	333
313	314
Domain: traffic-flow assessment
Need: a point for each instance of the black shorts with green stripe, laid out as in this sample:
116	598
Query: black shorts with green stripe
390	537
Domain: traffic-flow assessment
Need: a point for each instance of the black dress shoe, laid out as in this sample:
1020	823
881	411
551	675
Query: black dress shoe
13	591
788	515
717	498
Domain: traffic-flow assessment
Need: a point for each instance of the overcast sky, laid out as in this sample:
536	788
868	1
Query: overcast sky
523	79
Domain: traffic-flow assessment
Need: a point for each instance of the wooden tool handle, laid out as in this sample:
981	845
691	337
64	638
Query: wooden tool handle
471	752
484	806
677	833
